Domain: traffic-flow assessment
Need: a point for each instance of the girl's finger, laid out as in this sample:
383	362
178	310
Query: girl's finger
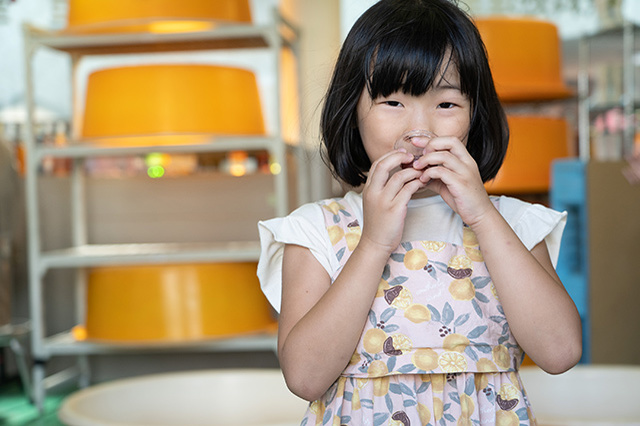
440	158
398	180
451	144
406	192
381	169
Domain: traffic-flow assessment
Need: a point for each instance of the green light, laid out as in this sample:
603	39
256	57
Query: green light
155	172
154	159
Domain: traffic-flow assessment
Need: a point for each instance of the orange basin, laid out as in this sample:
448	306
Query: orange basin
171	99
180	302
525	58
108	16
534	143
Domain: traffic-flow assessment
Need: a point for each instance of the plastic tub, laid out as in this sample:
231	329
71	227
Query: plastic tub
175	303
525	58
534	143
167	99
247	397
587	395
101	16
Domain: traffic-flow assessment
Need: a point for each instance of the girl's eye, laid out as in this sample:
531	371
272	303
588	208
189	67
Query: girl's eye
393	103
446	105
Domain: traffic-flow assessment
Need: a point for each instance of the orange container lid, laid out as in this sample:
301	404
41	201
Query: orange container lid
176	303
111	16
525	58
165	100
533	144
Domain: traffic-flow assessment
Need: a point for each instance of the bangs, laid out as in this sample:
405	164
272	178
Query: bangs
409	61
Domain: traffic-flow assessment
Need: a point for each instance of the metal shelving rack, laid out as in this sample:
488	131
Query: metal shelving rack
573	187
275	36
623	39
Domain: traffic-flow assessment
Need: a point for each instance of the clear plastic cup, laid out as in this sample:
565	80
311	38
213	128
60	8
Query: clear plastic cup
414	142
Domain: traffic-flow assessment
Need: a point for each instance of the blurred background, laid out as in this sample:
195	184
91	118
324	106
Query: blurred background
142	141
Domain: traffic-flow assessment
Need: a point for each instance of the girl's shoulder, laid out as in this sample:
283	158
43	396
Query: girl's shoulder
533	223
306	227
312	214
517	211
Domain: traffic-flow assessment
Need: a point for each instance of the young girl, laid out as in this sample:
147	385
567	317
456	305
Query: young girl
412	302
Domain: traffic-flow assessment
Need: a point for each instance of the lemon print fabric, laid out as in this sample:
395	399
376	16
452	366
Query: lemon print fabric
335	234
425	399
335	208
435	348
460	266
455	342
437	296
434	246
462	289
399	297
415	259
417	313
425	359
373	340
352	235
343	228
452	362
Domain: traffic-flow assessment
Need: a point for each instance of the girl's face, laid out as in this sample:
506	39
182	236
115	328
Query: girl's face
443	110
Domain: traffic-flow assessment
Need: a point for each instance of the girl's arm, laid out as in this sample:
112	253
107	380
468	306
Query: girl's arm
541	315
321	323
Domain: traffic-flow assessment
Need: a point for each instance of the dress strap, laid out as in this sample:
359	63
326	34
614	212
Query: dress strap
343	228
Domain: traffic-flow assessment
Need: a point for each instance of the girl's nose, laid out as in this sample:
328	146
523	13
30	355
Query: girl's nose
421	122
414	140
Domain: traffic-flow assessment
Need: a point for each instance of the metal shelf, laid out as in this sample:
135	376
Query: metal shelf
273	37
65	344
132	254
220	36
107	147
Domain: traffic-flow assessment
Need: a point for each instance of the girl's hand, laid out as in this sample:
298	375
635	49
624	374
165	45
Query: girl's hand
449	170
385	197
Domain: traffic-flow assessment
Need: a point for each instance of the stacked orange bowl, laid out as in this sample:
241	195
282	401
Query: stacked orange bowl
175	303
117	16
169	104
526	62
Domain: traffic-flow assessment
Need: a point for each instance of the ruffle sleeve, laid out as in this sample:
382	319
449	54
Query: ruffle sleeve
534	223
303	227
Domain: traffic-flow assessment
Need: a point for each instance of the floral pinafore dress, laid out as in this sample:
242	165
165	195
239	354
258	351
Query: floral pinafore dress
436	348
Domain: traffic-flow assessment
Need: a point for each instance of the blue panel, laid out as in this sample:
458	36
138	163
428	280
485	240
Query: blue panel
568	193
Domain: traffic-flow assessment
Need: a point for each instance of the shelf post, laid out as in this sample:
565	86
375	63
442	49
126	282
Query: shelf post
79	221
628	94
280	151
584	144
35	274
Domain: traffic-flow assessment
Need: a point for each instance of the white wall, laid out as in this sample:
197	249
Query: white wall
350	10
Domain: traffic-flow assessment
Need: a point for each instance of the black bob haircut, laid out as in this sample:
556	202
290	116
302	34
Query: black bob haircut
402	45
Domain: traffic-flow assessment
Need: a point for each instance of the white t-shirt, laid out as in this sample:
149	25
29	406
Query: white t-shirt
427	219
